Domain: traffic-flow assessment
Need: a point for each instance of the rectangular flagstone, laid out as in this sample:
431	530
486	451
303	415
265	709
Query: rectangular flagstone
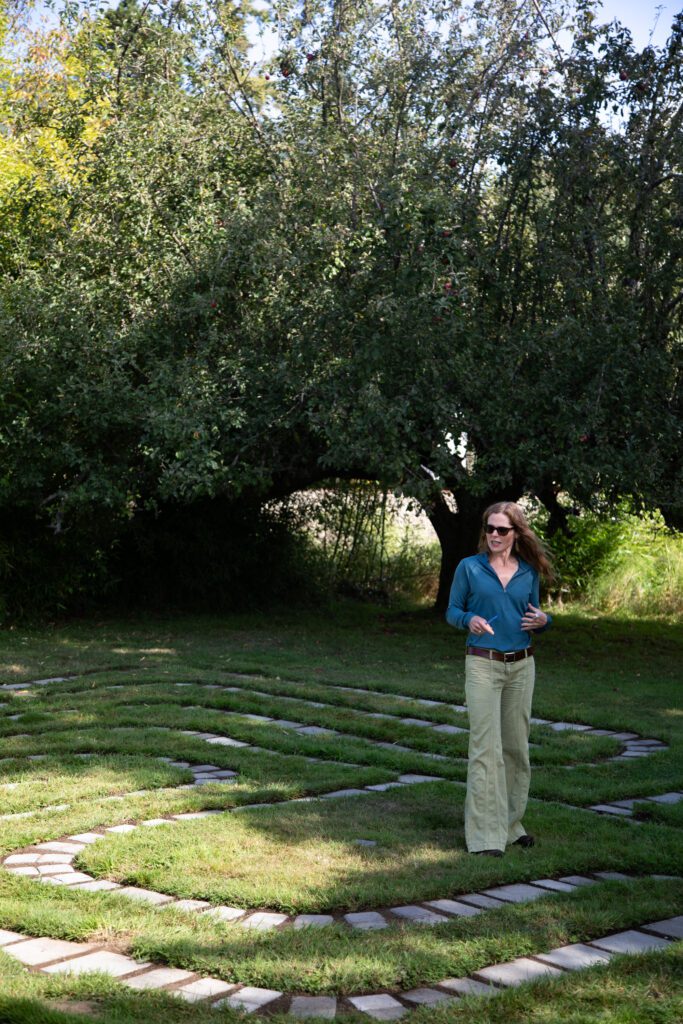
263	922
41	951
574	957
553	885
479	900
190	905
316	730
204	988
87	837
313	920
250	998
366	920
667	798
610	809
426	996
61	847
578	880
630	941
153	822
145	895
419	915
7	937
97	885
121	828
341	793
450	730
157	978
454	907
22	858
226	913
410	778
381	1007
313	1006
114	964
672	927
225	741
611	876
469	987
72	877
420	722
191	815
382	787
518	892
516	972
24	869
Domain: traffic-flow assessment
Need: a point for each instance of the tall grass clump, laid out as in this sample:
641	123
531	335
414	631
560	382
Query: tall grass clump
644	574
621	563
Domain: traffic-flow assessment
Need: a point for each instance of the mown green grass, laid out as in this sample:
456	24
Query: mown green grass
302	857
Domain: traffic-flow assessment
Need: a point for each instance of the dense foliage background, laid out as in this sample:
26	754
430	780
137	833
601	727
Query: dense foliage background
421	244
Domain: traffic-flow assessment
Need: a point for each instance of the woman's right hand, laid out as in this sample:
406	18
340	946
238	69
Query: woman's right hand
479	625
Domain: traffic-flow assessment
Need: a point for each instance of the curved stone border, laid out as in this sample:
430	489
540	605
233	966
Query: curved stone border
56	956
202	773
51	862
634	745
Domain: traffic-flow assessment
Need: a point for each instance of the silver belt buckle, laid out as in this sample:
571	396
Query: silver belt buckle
509	655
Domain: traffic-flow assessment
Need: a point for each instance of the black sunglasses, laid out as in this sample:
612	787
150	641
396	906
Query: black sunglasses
502	530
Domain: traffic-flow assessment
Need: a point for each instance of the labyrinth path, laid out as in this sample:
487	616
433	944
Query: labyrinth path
303	734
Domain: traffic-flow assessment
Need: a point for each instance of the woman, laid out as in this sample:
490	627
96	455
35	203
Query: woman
495	596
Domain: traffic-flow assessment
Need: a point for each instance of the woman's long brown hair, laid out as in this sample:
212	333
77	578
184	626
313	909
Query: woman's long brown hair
528	545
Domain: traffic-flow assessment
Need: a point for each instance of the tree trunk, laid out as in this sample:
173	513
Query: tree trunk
458	532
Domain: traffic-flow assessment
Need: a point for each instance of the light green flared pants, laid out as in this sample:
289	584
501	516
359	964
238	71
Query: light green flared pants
499	704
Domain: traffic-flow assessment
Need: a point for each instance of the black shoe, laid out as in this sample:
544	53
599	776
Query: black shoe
488	853
525	842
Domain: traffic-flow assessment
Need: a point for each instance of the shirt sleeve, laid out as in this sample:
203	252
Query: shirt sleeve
536	602
457	614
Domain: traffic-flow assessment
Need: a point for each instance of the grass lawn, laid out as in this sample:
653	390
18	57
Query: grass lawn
85	753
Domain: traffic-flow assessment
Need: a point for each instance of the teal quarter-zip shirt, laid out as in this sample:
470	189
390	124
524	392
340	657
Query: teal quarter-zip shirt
476	590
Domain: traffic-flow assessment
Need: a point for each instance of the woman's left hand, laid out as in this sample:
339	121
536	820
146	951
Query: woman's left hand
534	618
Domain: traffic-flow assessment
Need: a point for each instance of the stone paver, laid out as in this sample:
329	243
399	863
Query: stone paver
578	880
554	885
7	937
108	963
454	907
468	987
410	778
518	892
250	999
190	905
158	978
35	952
313	1006
366	920
610	809
671	927
630	941
313	920
426	996
381	1007
667	798
575	957
418	915
516	972
263	922
205	988
158	899
479	900
61	847
226	913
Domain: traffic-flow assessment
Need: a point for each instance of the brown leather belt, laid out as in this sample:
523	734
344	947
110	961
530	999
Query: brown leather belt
507	656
